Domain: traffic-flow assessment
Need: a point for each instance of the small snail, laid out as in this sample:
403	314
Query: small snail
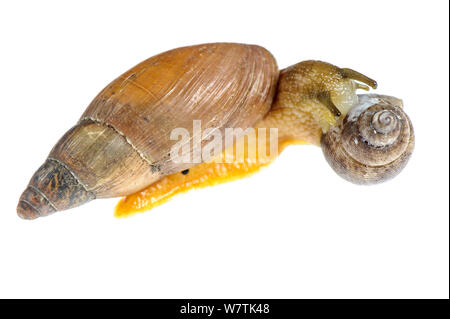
373	143
123	143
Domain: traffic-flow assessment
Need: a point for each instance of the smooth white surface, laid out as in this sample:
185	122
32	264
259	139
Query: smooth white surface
295	230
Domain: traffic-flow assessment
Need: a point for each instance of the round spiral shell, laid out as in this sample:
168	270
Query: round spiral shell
373	143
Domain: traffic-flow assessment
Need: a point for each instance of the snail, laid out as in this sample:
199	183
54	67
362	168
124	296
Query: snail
122	146
373	143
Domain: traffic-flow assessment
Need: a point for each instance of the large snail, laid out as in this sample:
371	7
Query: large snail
123	142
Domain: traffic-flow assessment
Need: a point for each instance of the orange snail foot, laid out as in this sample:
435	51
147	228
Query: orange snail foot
202	175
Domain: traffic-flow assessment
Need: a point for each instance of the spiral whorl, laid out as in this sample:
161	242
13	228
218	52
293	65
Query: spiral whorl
373	143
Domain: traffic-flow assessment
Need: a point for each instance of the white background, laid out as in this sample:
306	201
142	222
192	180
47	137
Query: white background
295	230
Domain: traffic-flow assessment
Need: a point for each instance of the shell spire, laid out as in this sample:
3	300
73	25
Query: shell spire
53	187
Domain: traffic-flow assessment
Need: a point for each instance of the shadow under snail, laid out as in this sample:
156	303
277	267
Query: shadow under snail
121	145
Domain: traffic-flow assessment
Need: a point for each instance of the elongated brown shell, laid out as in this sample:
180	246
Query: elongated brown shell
122	142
